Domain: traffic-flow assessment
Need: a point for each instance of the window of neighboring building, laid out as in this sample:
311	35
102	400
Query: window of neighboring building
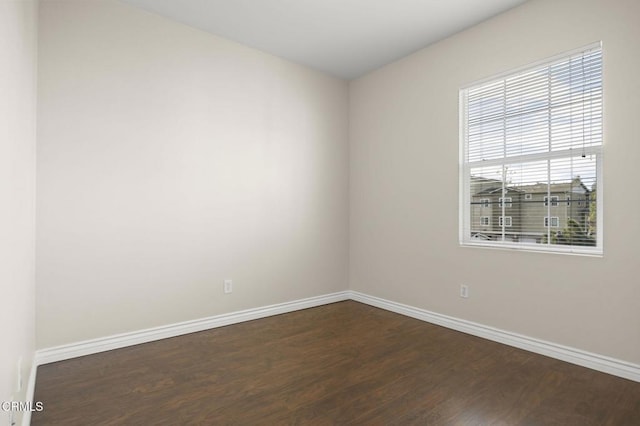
555	221
484	202
504	221
535	131
485	221
553	199
504	200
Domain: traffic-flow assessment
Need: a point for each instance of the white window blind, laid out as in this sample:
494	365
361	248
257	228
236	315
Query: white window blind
531	138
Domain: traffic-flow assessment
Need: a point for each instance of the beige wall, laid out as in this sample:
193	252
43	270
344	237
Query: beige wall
18	53
404	184
169	160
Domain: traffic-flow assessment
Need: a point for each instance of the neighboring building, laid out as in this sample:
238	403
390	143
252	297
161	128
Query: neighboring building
528	213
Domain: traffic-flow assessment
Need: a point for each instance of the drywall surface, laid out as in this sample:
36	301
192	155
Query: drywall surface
169	160
18	56
404	136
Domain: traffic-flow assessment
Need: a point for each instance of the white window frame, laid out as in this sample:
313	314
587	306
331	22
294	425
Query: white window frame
547	221
552	200
527	196
485	203
507	202
464	181
506	220
482	220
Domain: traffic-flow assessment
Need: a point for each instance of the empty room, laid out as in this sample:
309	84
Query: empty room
319	212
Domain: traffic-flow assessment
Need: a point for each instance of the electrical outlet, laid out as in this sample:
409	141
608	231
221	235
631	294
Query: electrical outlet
228	286
464	291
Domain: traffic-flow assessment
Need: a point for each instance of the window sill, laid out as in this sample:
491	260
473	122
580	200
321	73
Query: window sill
576	251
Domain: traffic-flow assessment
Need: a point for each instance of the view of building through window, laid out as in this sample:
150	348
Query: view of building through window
574	220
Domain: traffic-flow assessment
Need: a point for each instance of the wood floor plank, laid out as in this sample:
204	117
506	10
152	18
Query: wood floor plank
344	363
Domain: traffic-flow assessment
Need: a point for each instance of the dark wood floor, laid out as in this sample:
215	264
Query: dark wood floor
345	363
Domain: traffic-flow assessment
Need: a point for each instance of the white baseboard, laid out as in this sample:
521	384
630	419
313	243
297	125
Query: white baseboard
88	347
575	356
31	387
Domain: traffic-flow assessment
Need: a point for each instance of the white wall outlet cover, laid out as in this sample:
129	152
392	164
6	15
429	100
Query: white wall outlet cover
464	291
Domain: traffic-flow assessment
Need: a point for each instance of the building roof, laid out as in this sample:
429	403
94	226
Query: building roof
486	186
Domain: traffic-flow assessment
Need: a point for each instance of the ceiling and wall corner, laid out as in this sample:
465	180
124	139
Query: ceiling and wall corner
345	38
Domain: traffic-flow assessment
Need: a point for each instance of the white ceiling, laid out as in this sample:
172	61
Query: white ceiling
346	38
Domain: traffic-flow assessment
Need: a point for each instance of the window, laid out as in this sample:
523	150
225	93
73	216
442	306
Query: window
553	199
555	221
568	200
505	200
505	221
536	131
485	221
484	202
